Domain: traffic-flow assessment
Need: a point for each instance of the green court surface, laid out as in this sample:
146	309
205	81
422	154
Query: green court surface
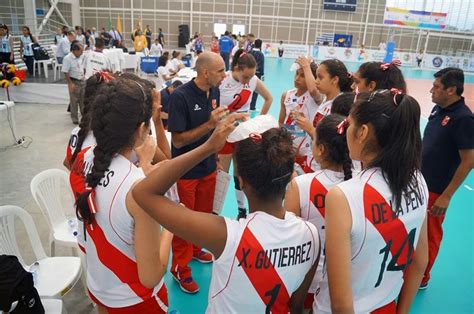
451	289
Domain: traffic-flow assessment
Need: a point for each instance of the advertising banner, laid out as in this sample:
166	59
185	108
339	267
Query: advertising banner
414	18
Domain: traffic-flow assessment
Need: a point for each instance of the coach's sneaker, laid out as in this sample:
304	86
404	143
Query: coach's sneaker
188	284
242	213
423	286
203	257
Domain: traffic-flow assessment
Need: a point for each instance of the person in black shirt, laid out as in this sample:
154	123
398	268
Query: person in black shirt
448	152
257	53
165	99
193	113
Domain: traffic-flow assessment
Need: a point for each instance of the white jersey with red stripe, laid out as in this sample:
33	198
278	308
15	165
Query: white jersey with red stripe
312	188
264	261
112	271
231	89
305	105
73	139
323	110
383	240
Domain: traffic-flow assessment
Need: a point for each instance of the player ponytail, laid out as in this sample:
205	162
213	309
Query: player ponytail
266	163
334	142
395	119
118	110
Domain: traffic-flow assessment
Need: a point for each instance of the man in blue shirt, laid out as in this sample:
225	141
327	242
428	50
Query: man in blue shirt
448	153
193	113
226	44
257	53
165	100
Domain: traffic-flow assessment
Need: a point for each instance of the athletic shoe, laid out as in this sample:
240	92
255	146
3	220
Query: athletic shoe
242	213
188	284
203	257
423	286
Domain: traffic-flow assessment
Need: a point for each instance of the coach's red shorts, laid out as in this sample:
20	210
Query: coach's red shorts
228	149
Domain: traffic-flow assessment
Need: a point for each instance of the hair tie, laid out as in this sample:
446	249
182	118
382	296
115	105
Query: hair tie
274	180
395	92
349	75
341	128
105	77
255	137
386	66
143	91
242	54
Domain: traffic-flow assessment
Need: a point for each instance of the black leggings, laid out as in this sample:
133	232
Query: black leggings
29	61
5	58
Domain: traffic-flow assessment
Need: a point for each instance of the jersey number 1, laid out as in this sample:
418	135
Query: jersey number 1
274	294
392	265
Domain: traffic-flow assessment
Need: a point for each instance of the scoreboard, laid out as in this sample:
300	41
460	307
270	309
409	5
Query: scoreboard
340	5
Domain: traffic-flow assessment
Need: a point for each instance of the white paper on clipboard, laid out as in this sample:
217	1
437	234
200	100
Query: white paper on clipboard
222	185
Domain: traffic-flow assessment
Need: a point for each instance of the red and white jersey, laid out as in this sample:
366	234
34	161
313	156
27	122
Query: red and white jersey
305	105
112	271
323	110
312	188
267	258
235	94
88	141
383	240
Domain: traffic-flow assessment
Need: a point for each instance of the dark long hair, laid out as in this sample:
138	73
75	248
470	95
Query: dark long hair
242	60
342	104
392	77
337	68
266	164
118	110
335	144
396	124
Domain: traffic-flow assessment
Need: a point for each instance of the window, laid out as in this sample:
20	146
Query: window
219	29
238	29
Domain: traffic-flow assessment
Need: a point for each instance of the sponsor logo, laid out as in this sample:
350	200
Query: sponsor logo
445	121
196	107
437	62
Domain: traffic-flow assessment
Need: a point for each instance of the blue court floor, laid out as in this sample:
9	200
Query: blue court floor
451	289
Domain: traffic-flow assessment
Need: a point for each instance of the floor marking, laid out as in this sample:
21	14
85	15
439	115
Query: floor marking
468	187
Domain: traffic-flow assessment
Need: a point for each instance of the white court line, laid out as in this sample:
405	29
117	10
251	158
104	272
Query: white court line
468	187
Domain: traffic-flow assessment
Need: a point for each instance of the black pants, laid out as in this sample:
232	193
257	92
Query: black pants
253	103
29	60
225	56
5	58
418	61
280	53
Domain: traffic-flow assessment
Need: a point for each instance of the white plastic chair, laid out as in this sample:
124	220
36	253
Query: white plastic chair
57	67
55	275
48	194
53	306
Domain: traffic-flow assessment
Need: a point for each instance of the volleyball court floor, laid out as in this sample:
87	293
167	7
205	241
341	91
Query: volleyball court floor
451	289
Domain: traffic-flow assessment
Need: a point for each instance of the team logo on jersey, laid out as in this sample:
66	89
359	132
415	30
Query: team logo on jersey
196	107
445	121
214	103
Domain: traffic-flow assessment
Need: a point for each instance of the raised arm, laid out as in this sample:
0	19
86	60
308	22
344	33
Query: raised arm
310	80
203	229
281	117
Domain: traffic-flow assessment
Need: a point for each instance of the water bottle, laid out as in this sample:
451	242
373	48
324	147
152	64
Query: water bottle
73	226
295	130
34	270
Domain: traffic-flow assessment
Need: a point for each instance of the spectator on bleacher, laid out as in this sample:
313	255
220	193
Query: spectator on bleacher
59	35
26	51
73	69
64	46
116	37
148	34
165	100
90	40
106	37
96	60
139	43
257	53
6	45
80	35
163	73
156	49
225	46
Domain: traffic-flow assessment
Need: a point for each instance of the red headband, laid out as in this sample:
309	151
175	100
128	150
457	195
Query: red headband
342	126
386	66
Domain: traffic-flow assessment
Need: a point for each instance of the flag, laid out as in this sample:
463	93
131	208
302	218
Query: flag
119	24
110	23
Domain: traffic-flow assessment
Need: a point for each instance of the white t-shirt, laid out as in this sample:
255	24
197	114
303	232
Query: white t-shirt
382	240
232	90
162	72
264	261
74	66
96	61
156	50
174	64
